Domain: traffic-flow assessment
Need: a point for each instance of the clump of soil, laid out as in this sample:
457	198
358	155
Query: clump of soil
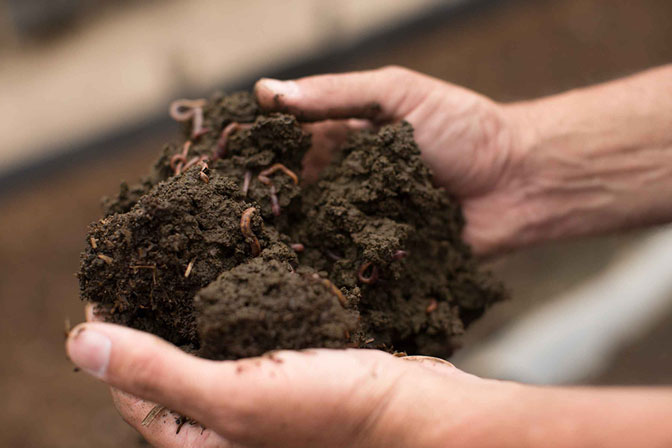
233	257
261	306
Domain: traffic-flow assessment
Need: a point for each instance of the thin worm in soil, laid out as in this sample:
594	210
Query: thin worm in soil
197	126
246	229
246	182
399	255
275	205
370	279
178	160
297	247
183	110
433	305
223	140
193	161
337	292
263	178
333	256
332	288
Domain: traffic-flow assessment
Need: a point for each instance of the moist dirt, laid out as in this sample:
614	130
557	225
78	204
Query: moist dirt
223	251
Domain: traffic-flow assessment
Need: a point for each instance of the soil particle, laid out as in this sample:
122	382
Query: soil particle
377	262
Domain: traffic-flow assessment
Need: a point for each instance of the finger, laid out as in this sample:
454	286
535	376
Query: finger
248	401
288	397
327	137
164	430
144	365
379	95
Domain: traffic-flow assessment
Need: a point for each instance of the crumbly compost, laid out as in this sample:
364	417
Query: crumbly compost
222	251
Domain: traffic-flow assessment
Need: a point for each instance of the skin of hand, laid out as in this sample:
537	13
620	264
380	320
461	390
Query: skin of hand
472	145
583	162
353	398
325	398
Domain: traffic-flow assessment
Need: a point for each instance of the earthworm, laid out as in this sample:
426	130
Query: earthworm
297	247
263	176
337	292
178	160
371	279
333	256
223	140
194	160
190	163
332	288
183	110
433	305
399	254
197	128
245	228
246	182
275	205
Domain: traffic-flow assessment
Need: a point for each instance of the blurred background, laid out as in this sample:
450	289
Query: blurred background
84	91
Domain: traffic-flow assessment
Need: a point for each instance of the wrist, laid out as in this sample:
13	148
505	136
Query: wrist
591	162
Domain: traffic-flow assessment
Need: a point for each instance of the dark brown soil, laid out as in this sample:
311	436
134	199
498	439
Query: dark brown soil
381	265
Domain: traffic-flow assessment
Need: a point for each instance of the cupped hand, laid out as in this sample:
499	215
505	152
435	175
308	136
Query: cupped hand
325	398
474	146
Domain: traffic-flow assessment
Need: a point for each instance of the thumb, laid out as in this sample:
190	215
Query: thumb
144	365
378	95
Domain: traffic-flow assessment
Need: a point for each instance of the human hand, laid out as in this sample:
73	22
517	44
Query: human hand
325	398
474	146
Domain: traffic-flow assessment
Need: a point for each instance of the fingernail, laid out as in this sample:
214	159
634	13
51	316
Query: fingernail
90	350
288	89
